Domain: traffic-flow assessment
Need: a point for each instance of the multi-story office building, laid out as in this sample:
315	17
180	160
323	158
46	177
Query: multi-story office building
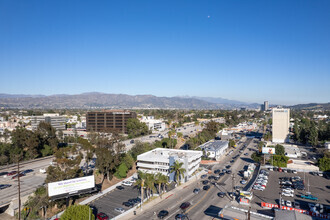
55	120
160	160
281	124
266	106
107	120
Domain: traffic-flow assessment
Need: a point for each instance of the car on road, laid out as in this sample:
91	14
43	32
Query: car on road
102	216
206	187
3	173
11	173
4	186
180	217
27	171
204	182
18	175
221	194
121	210
196	190
185	205
228	171
162	214
120	187
132	142
228	166
246	154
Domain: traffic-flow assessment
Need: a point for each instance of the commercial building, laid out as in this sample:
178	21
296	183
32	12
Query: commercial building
108	120
265	106
55	120
160	160
153	124
215	148
281	124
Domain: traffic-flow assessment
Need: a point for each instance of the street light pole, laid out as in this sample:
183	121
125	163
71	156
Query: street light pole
19	191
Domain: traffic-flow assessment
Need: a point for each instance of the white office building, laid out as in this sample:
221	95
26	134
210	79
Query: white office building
215	148
281	124
160	160
153	124
56	121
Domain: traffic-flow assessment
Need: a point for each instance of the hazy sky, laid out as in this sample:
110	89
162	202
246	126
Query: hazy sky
243	50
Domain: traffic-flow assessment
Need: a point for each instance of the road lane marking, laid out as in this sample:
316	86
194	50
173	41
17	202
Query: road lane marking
200	200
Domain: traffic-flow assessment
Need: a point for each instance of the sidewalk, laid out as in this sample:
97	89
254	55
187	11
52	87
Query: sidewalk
130	214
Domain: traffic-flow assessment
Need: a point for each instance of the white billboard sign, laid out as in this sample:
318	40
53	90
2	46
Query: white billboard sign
268	150
70	186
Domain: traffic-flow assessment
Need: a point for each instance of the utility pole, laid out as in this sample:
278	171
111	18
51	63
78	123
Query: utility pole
19	190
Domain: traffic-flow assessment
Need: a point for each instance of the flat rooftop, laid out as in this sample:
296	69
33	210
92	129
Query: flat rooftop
215	145
165	153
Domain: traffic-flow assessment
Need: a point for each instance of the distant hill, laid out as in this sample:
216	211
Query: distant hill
226	103
102	100
312	106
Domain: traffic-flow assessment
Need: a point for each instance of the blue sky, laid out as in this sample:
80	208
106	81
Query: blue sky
243	50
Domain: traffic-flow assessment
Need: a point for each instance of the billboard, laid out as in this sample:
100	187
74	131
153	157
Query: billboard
70	186
268	150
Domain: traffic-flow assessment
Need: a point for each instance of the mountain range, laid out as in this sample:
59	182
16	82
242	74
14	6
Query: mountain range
116	101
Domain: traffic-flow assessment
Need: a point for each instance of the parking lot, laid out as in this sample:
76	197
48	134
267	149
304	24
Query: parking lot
318	186
115	199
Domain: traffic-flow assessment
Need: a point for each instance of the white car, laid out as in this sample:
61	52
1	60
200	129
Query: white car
288	190
42	170
287	194
126	183
121	210
288	203
243	182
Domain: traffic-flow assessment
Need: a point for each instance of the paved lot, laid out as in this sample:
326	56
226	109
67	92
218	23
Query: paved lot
114	199
319	187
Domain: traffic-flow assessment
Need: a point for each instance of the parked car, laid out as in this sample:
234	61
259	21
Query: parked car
204	182
3	173
203	176
18	175
120	187
102	216
288	203
243	182
127	183
128	204
162	214
11	173
4	186
287	194
27	171
309	197
121	210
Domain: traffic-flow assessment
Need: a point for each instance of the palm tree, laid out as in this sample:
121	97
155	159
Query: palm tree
140	182
161	180
150	184
164	182
178	170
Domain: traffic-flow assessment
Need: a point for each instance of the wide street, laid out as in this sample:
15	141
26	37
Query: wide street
201	201
28	183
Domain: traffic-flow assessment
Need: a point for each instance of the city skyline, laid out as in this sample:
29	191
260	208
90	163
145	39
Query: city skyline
246	51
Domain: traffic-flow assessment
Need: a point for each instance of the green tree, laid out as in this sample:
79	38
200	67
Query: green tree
140	182
324	164
178	170
106	162
78	212
39	201
279	150
135	128
313	136
46	151
121	171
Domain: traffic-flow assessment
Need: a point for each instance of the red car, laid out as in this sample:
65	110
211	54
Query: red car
11	173
185	205
20	175
102	216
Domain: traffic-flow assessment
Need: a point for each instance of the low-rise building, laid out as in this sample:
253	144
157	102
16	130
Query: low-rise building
153	124
215	148
160	160
327	145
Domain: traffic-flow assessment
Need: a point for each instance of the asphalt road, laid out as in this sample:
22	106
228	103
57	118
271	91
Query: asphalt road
200	202
28	183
